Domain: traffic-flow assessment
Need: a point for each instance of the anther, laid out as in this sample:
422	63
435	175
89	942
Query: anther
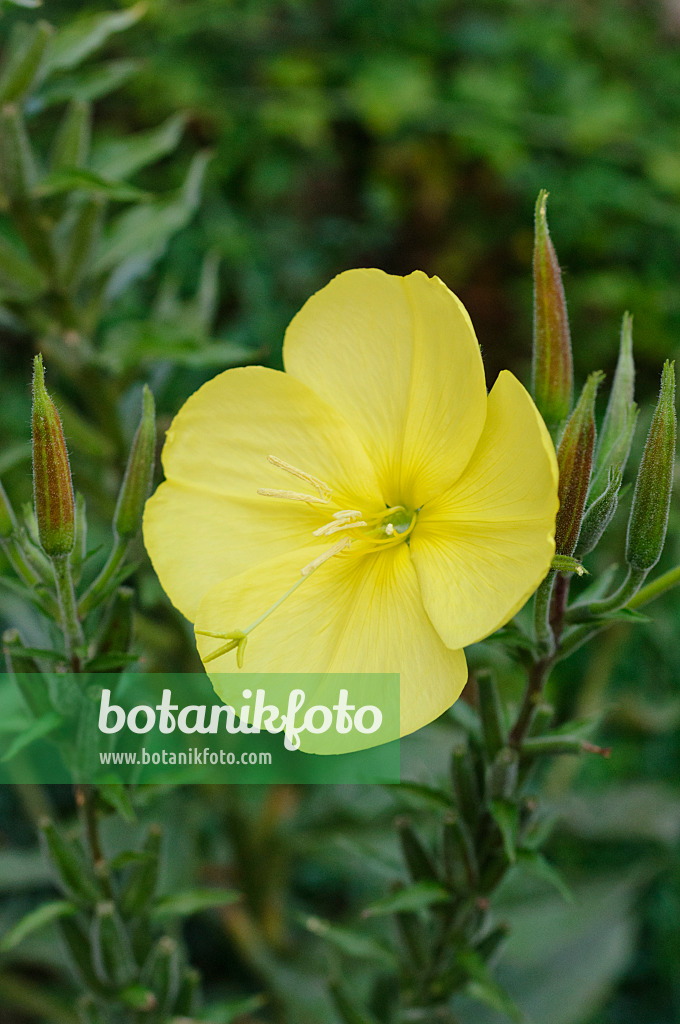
330	528
335	550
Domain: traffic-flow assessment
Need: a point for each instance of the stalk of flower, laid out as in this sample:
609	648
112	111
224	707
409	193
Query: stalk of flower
414	528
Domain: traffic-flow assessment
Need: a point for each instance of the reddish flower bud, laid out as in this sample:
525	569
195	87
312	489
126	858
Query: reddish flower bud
575	461
52	487
552	372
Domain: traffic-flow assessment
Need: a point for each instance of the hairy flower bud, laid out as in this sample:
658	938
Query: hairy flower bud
136	484
52	487
552	372
599	515
613	445
575	459
652	497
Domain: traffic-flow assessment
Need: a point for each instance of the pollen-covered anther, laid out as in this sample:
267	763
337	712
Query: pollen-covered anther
348	519
339	546
323	491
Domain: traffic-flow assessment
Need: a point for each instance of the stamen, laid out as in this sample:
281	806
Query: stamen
320	486
269	492
335	550
329	528
348	514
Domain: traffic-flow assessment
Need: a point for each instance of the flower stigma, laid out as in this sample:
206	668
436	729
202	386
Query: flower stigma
371	532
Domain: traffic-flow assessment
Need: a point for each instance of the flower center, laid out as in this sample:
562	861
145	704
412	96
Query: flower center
364	533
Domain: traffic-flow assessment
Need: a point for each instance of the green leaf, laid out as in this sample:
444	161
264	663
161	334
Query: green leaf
82	37
414	897
116	796
182	904
422	794
355	944
536	864
483	986
36	920
231	1010
506	816
139	236
121	158
77	179
90	84
40	728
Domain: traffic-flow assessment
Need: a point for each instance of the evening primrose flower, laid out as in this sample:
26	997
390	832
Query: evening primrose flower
371	509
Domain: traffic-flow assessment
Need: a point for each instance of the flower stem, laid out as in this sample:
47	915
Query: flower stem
72	628
622	597
98	589
656	588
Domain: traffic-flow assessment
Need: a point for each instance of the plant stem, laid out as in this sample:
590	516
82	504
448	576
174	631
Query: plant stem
656	588
622	597
538	677
97	590
72	628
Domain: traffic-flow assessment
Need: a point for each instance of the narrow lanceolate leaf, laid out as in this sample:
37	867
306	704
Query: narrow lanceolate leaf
575	459
82	241
651	501
552	372
88	33
72	141
414	897
18	276
24	63
7	521
136	484
614	442
18	173
35	921
52	487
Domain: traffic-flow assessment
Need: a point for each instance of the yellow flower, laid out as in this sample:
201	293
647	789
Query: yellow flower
404	513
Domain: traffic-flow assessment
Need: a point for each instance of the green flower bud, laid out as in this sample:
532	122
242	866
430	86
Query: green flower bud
651	500
465	785
160	973
77	944
417	858
189	990
552	371
52	487
112	953
141	883
501	776
599	515
81	241
615	439
138	474
574	460
8	523
70	864
491	713
460	858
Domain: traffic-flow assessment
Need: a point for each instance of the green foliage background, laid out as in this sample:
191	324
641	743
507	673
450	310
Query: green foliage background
401	135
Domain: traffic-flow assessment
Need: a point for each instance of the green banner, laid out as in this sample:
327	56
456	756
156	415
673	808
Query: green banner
160	728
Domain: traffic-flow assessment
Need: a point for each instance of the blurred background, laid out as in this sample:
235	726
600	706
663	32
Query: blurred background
402	135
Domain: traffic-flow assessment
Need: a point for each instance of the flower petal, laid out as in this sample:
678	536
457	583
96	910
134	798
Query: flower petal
481	549
398	357
354	614
207	521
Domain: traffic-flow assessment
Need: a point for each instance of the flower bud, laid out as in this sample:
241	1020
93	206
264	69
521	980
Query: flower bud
552	371
575	460
187	1000
613	445
112	953
652	497
52	487
599	515
138	474
7	521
